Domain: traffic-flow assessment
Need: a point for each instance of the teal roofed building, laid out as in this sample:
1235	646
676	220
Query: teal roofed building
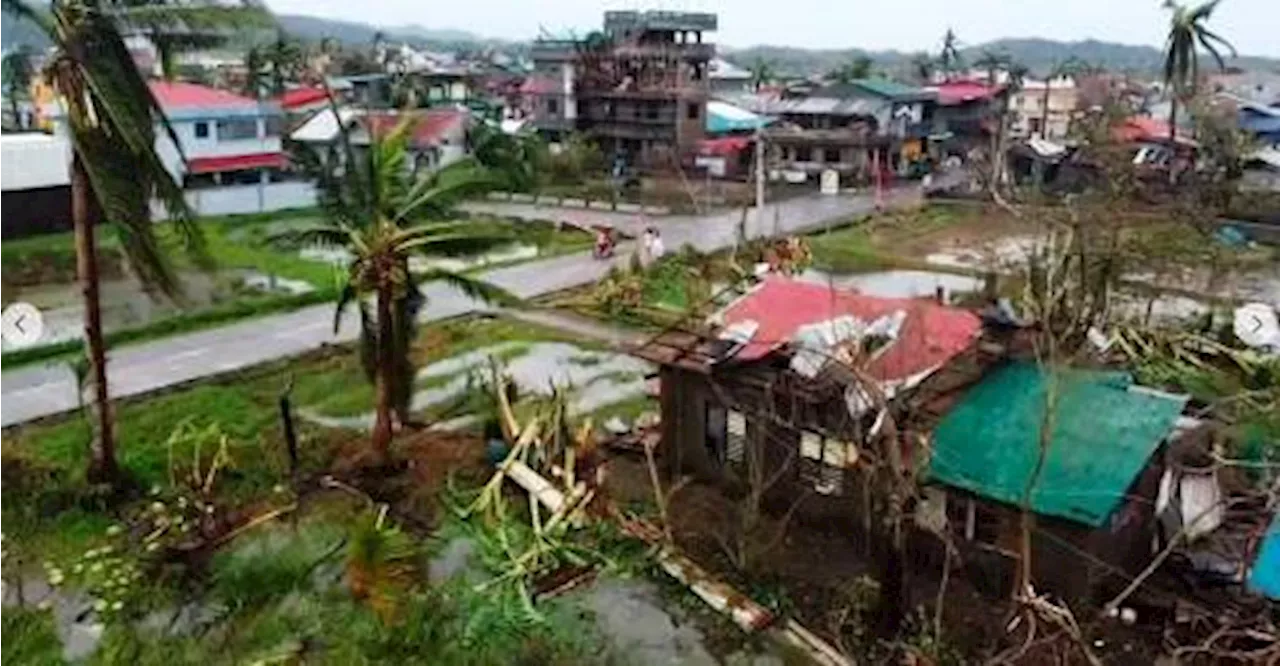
1095	492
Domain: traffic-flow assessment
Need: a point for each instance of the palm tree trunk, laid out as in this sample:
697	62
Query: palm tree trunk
383	376
85	214
1173	135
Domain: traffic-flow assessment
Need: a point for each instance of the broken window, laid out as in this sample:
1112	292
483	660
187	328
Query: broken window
717	432
822	462
736	437
692	111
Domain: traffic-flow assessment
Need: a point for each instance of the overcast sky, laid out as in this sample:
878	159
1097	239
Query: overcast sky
909	25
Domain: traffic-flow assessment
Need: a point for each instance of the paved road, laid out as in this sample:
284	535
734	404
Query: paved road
32	392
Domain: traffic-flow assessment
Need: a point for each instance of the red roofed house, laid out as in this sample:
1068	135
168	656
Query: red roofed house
967	112
773	379
438	139
298	104
231	144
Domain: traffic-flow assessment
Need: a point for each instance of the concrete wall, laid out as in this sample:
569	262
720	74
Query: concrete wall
242	199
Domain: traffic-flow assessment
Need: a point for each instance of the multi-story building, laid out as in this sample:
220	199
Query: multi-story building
1043	109
639	88
228	155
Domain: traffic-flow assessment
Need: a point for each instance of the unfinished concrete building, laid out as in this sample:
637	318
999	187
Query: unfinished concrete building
639	89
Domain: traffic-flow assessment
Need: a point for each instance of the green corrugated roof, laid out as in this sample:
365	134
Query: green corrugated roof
890	88
1103	435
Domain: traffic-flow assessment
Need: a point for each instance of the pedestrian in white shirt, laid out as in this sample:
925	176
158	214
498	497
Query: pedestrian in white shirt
656	248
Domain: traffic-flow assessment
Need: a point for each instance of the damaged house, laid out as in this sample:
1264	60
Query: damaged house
769	386
1094	497
763	384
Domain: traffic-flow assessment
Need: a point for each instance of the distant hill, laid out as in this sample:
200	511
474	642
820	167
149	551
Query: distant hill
1037	54
350	32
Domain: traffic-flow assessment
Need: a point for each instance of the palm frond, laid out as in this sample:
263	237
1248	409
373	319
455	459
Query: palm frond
1202	11
434	195
193	16
460	244
347	295
329	235
26	11
476	289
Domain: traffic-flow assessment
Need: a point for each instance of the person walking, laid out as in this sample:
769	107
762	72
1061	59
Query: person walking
656	247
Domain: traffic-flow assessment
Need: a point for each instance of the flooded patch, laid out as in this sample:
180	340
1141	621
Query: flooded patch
898	283
999	254
600	379
126	305
78	627
517	252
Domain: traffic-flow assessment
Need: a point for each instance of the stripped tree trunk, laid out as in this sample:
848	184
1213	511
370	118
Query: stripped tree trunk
383	375
85	214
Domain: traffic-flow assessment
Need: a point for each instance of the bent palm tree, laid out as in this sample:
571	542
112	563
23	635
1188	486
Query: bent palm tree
382	215
1187	35
17	73
115	171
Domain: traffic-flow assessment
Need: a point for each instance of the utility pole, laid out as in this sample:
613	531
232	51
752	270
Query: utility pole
759	178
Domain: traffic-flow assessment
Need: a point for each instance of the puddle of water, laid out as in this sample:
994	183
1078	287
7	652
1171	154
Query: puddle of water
126	305
74	621
898	283
1003	253
611	378
629	614
276	284
341	257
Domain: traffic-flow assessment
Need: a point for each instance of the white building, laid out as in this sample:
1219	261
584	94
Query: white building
438	137
234	161
35	177
1029	117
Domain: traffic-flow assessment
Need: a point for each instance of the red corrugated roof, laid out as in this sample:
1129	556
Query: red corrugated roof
292	99
1146	128
236	162
930	335
724	146
181	94
960	91
429	126
539	85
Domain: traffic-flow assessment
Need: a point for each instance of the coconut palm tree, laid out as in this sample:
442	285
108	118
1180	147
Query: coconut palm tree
762	74
858	68
17	72
949	59
1187	35
212	26
112	118
994	62
922	66
382	215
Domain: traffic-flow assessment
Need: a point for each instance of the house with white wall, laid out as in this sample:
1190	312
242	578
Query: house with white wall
234	162
1029	116
437	138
